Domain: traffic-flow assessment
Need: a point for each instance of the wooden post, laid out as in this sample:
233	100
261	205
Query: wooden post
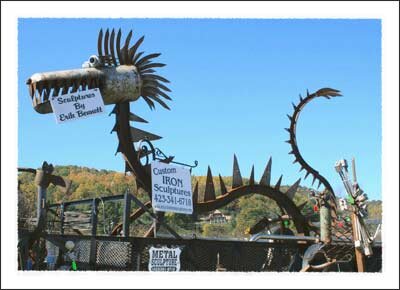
358	253
125	217
325	221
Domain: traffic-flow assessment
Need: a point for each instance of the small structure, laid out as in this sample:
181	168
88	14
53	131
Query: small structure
217	217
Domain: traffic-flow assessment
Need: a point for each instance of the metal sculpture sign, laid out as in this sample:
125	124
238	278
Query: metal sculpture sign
171	188
164	259
77	105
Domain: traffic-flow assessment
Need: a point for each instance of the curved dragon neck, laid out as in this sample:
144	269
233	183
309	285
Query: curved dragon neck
295	149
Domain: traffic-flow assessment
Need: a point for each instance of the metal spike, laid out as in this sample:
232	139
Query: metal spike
278	184
106	43
155	84
196	193
156	91
308	94
146	58
295	160
135	58
209	193
150	65
119	148
138	135
222	185
307	173
314	178
149	102
266	177
301	98
161	86
136	118
118	47
100	43
115	128
126	47
288	141
114	110
251	180
301	168
291	152
147	71
292	190
319	183
162	103
133	49
290	117
157	77
294	106
287	129
112	47
236	176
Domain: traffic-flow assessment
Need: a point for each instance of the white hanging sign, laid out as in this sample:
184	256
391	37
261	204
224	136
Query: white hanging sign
78	105
171	188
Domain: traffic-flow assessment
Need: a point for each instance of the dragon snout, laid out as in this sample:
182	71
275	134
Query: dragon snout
43	86
116	84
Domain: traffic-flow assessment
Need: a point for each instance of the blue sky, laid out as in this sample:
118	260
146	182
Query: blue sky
232	82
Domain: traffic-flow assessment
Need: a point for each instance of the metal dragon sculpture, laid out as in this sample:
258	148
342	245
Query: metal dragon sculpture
123	75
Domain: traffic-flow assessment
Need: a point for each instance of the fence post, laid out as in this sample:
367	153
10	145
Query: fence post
125	217
93	246
62	218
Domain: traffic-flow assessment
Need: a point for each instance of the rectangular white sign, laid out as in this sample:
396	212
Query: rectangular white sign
164	259
171	188
78	105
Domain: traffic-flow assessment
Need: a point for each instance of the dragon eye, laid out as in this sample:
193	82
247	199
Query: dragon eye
94	61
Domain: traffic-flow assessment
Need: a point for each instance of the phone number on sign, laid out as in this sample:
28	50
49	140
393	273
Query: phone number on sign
172	200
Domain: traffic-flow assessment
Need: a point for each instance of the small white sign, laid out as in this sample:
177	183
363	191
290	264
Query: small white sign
78	105
171	188
164	259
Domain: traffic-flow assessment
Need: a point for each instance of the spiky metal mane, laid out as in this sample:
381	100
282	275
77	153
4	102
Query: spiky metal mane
115	55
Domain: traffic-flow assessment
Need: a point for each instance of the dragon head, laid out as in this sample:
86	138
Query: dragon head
121	73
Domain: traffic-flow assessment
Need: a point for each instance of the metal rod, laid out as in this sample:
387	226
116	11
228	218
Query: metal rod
260	236
89	200
62	218
125	217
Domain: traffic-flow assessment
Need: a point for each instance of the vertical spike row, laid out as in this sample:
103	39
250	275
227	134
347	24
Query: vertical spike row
278	184
236	176
209	193
292	190
266	177
251	180
222	185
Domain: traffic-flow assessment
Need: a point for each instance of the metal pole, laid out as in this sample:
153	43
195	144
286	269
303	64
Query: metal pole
62	218
125	217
